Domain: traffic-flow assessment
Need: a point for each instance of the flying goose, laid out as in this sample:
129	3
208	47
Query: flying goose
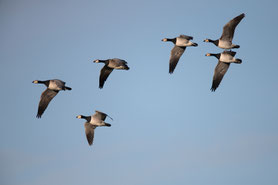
224	60
225	41
92	122
181	43
53	87
110	64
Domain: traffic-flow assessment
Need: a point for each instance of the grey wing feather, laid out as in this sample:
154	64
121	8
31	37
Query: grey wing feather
59	81
119	60
229	28
46	97
186	37
100	115
115	62
90	132
219	73
176	53
104	73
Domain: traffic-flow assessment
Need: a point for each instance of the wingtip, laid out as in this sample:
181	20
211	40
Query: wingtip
100	86
171	70
213	89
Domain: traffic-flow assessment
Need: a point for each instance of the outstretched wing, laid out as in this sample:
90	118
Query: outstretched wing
176	53
104	73
46	97
101	115
186	37
90	132
229	28
219	73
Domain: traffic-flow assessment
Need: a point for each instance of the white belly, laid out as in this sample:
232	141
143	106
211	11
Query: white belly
97	122
225	44
55	85
181	42
226	58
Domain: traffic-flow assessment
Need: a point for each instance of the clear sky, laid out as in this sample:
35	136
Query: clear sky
167	129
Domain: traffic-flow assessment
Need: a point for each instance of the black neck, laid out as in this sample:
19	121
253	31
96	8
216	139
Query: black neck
217	55
102	61
171	40
88	118
215	42
46	82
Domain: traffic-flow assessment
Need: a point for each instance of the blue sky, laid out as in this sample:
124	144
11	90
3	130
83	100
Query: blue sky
167	129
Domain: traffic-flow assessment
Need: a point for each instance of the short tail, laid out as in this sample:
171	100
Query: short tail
67	88
236	46
195	44
107	124
126	67
238	61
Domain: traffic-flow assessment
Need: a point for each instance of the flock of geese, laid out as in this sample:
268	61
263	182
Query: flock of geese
180	43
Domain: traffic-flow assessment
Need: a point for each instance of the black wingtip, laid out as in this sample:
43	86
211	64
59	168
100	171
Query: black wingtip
38	116
171	69
213	89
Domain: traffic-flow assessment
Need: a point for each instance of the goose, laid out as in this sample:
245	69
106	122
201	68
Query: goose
110	64
225	41
53	87
181	43
224	60
93	122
